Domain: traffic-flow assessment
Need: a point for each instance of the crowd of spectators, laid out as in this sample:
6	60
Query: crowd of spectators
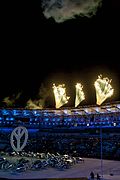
81	145
70	121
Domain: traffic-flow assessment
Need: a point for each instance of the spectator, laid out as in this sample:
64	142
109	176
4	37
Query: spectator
98	176
92	175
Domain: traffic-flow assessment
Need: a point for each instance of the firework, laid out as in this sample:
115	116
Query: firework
60	95
79	94
103	89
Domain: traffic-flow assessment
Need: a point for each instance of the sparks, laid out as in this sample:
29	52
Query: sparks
103	89
79	94
60	95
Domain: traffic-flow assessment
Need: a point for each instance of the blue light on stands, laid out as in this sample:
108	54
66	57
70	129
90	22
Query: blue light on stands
46	119
9	118
69	117
5	112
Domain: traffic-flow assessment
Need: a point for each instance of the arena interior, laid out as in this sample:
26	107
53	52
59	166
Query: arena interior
62	139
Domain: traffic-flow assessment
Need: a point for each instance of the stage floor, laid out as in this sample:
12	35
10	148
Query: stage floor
76	171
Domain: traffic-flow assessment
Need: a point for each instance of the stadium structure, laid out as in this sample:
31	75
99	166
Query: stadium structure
105	116
65	129
75	131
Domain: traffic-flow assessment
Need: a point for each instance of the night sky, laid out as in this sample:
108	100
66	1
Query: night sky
37	50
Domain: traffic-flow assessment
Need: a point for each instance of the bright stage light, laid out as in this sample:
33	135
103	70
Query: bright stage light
60	95
103	89
79	94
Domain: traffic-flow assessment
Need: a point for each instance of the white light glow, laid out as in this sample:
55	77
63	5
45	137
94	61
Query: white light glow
103	89
79	94
60	95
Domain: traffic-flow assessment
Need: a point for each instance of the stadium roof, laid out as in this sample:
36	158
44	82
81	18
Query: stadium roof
82	110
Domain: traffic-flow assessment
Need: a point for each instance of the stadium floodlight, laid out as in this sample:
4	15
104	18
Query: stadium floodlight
79	94
103	89
60	95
